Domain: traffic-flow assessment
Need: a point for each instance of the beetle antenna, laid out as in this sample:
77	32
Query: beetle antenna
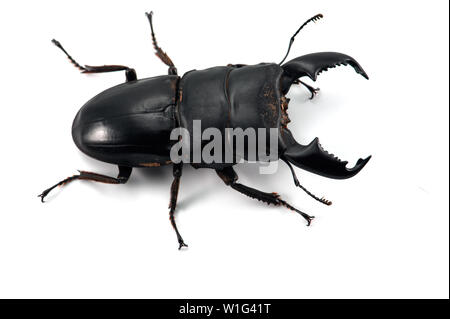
159	52
313	19
297	183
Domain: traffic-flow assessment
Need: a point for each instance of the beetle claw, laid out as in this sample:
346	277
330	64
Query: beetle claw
309	219
43	195
314	92
182	244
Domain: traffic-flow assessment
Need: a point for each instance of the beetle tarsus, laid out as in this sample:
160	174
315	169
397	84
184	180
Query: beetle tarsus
130	73
307	217
44	194
63	182
177	171
122	178
159	52
312	90
229	176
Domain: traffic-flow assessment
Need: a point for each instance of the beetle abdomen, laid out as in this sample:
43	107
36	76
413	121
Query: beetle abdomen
129	124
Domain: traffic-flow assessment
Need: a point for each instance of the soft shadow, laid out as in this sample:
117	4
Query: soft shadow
193	198
162	174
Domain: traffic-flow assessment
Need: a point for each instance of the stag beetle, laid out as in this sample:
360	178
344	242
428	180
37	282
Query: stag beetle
129	125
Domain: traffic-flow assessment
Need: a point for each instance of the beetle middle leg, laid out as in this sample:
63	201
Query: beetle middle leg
177	171
130	73
229	176
122	178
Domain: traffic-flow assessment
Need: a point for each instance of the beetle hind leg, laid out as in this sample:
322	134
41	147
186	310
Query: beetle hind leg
177	170
229	176
130	73
122	178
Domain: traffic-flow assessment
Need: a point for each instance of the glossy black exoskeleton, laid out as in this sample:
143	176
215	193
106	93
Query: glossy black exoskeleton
129	125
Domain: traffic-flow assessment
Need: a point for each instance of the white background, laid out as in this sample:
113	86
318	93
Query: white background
385	236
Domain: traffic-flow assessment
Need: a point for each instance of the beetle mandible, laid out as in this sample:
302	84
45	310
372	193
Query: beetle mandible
129	125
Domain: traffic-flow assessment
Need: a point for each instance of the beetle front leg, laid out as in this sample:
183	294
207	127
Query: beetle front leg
311	89
177	171
229	176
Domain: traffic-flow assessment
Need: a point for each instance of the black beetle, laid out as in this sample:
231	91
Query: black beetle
129	125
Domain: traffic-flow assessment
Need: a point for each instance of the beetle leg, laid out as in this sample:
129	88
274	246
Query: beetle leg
311	89
122	178
229	176
129	72
177	170
159	52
